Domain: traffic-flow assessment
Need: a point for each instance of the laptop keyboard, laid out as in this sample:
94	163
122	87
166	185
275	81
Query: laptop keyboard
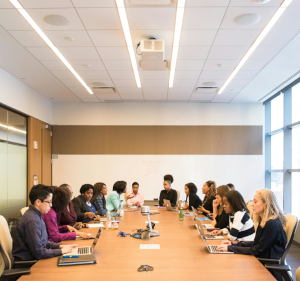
213	248
208	235
84	250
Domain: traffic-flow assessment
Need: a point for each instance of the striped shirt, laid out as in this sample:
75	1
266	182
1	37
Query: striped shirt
240	228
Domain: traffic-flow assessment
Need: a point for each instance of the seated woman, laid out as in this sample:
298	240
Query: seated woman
270	238
192	199
83	207
168	193
113	200
57	234
221	219
137	198
98	198
241	226
209	189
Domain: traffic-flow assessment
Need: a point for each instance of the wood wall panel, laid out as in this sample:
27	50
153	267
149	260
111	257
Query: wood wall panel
168	140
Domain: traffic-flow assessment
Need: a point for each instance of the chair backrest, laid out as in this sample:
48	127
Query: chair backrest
178	196
246	201
298	274
23	210
290	229
250	208
5	245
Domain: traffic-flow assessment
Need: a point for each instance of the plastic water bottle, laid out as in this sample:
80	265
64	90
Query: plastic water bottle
108	221
121	213
181	216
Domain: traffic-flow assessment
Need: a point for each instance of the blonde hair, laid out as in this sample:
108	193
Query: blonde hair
222	190
272	210
212	190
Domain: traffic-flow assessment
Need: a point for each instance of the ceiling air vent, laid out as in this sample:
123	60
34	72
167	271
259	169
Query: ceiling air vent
206	90
103	90
150	2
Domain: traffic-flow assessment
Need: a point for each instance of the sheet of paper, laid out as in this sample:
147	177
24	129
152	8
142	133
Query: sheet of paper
149	246
152	221
203	219
96	225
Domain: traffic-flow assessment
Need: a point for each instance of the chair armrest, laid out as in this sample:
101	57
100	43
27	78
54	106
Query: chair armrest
20	264
278	267
16	271
264	261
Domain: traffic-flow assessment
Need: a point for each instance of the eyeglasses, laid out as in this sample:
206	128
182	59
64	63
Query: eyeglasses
49	202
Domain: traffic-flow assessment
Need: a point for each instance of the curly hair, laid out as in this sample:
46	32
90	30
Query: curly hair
222	190
211	192
61	198
272	210
169	178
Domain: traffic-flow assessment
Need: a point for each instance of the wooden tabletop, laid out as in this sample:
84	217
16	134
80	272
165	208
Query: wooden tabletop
182	255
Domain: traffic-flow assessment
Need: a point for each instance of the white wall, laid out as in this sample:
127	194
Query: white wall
19	96
157	114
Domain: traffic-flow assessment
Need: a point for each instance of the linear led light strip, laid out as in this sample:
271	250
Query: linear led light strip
13	129
258	40
177	33
126	30
27	17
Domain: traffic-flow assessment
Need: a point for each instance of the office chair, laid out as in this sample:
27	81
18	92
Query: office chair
23	210
279	266
9	269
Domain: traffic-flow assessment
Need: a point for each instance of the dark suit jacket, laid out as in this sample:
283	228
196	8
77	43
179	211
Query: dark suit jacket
80	207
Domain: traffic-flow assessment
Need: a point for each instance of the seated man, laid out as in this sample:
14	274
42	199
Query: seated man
31	238
137	199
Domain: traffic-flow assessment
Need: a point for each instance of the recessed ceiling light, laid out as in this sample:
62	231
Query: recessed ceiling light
56	20
70	38
261	1
209	83
99	84
247	19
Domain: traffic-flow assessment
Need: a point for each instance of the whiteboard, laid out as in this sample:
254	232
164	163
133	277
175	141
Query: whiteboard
246	172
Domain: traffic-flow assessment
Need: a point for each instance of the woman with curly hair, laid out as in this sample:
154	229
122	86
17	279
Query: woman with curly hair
270	238
209	189
60	200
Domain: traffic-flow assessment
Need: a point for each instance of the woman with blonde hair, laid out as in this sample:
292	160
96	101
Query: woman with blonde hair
209	189
270	239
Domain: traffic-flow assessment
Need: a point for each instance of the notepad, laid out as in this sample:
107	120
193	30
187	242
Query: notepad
96	225
203	219
149	246
152	221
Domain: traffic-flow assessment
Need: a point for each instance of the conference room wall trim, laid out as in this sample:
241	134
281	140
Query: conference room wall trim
158	140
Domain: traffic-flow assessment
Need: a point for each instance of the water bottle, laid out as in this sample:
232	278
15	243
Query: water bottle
121	213
181	216
108	221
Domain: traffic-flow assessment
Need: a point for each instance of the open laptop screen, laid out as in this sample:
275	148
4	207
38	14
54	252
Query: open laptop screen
96	239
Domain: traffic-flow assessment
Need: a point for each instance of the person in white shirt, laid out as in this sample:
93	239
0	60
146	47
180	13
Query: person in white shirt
136	198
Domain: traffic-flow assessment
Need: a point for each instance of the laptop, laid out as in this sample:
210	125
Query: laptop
87	250
206	226
211	248
207	235
169	206
83	259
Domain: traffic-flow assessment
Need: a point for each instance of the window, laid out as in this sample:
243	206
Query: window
282	147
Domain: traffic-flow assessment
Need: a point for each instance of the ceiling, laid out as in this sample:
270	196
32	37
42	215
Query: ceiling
209	38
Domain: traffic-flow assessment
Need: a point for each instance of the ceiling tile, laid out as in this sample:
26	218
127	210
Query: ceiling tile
237	83
155	97
155	83
219	83
118	65
54	65
155	91
121	75
238	3
113	53
279	36
236	37
232	12
100	18
232	90
28	38
215	64
103	97
82	65
27	4
94	3
223	98
63	74
203	97
202	91
193	53
197	37
203	3
80	91
265	52
6	5
290	18
166	35
107	82
214	74
132	96
133	90
71	83
181	91
58	38
38	16
189	75
79	53
246	74
11	19
125	83
152	75
189	64
179	97
90	100
107	38
89	74
203	18
254	64
42	53
227	52
184	83
151	18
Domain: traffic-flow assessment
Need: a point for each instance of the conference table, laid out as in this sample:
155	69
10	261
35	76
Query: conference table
182	255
